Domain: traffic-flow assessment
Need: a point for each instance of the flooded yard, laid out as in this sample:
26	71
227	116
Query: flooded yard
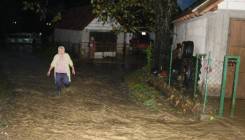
95	107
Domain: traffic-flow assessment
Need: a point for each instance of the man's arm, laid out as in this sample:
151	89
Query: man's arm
73	70
49	71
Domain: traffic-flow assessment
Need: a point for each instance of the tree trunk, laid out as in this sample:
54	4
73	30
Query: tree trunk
163	33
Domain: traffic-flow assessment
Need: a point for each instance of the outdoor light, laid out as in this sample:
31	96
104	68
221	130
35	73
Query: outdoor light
40	34
14	22
143	33
48	24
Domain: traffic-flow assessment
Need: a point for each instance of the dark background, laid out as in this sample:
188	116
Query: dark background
15	19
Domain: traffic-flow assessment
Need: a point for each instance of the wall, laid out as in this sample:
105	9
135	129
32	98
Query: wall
216	44
209	34
232	5
192	30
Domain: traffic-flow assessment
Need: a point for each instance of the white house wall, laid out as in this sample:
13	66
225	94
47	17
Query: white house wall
180	33
193	30
64	35
232	5
216	40
207	33
216	45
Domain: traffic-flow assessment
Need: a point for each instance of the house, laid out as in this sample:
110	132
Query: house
216	27
78	25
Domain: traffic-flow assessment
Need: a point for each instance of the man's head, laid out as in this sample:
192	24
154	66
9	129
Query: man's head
61	50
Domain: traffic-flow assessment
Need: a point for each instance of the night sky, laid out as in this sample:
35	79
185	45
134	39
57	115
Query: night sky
185	3
11	12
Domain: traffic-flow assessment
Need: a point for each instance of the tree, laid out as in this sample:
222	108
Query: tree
51	10
137	15
165	11
133	15
44	9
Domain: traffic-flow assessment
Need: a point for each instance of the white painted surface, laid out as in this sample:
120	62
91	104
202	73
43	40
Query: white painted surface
193	30
232	5
100	55
96	24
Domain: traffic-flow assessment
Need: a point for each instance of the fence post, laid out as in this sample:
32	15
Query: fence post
170	66
196	75
206	85
223	86
235	82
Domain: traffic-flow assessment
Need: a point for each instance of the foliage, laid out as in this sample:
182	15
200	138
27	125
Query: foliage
133	15
42	8
177	98
140	91
141	15
146	88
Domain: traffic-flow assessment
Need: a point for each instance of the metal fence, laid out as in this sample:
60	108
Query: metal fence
210	76
204	76
104	52
197	74
103	49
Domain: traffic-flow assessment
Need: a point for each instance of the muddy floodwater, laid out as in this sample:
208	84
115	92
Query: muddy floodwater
95	107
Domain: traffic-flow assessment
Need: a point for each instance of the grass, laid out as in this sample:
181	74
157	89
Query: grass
148	90
140	91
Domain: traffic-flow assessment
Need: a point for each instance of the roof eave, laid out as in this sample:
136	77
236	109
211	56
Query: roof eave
199	10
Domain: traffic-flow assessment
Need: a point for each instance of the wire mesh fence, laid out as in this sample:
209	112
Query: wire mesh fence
197	75
210	76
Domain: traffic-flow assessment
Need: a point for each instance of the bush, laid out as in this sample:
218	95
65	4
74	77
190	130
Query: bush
140	91
146	88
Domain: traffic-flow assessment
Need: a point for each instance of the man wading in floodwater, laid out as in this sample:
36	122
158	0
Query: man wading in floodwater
61	64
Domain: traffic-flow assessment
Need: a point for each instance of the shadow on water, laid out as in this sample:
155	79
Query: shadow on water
239	116
239	112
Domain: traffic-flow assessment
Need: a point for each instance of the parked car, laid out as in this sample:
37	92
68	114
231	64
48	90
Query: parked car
139	43
23	40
